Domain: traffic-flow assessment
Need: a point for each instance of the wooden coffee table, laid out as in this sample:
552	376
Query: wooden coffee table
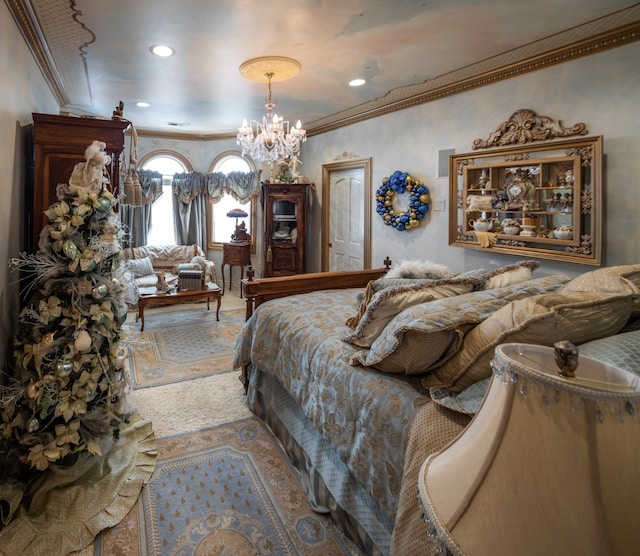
179	296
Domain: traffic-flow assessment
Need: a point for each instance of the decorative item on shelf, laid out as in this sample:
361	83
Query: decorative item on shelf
271	140
293	169
481	224
240	233
479	203
419	201
510	226
563	232
554	457
529	226
520	187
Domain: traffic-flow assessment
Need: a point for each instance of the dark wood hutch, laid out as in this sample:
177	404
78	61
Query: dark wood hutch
59	143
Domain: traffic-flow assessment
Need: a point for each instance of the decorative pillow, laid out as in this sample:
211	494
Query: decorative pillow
613	279
510	274
415	353
187	266
426	335
541	319
621	350
389	302
419	269
475	273
200	261
373	287
468	401
141	267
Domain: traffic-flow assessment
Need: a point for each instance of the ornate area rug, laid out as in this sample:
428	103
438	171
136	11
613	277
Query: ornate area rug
182	345
225	490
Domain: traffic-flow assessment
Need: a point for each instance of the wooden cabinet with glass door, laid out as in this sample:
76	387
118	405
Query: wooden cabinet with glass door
542	199
285	210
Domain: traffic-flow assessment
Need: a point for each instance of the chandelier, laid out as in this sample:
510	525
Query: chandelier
273	139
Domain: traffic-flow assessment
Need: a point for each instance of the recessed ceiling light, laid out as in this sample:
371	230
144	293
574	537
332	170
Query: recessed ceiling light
143	104
357	82
162	50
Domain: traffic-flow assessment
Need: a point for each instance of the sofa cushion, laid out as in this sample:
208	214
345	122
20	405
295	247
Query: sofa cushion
385	304
426	335
543	320
141	267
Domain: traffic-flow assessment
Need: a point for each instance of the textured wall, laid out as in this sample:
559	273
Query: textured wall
24	91
601	91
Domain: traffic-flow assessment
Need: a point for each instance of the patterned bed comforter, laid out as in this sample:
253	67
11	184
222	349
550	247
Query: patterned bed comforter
362	413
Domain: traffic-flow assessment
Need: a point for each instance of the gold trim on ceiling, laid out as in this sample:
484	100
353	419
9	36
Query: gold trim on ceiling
596	36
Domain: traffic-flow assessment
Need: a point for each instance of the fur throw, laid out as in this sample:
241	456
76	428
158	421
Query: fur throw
419	269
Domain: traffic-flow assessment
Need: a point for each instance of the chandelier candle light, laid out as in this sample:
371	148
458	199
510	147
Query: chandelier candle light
271	140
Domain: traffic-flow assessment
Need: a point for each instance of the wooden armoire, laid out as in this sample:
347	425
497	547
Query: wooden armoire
59	143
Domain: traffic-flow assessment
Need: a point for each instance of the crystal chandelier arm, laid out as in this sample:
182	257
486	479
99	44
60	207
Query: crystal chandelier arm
273	140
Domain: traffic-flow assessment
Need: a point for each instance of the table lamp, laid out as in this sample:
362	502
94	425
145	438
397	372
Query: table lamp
240	234
550	464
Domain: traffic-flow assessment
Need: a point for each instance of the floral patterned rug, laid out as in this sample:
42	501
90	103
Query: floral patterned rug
228	489
182	345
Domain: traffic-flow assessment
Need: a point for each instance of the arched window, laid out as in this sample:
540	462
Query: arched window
221	227
162	230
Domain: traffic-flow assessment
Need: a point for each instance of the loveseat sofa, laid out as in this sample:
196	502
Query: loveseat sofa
154	265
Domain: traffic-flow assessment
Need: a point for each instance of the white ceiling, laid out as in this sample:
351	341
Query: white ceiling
96	53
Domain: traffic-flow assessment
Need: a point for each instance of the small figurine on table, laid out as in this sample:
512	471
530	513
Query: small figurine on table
241	233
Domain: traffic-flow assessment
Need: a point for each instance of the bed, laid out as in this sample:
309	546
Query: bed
358	427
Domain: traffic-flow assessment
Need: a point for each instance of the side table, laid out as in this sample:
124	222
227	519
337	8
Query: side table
235	254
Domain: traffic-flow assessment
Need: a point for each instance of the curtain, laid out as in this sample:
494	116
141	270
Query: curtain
242	186
136	217
190	209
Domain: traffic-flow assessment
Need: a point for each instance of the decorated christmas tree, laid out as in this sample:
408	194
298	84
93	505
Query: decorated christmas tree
64	398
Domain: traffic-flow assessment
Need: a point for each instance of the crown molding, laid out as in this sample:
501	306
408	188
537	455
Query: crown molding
27	22
453	83
612	31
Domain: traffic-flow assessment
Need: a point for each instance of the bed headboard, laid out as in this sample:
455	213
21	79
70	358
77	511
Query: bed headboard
257	291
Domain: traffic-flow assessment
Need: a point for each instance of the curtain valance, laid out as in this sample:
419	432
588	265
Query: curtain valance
186	187
242	186
151	185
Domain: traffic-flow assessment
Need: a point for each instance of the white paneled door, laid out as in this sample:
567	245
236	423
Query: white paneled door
347	225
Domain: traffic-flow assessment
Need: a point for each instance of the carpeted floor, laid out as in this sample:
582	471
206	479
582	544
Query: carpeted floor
183	344
223	490
222	484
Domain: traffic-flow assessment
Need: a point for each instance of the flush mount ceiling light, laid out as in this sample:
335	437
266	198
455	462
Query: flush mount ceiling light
271	140
357	82
143	104
162	50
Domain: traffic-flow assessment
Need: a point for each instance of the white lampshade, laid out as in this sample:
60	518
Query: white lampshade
548	465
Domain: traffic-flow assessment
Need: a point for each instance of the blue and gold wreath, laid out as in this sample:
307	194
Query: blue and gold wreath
419	199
